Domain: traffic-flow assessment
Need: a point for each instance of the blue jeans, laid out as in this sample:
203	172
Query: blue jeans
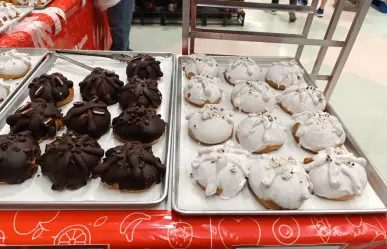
120	20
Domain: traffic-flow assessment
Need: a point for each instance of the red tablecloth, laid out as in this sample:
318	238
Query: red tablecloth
163	229
64	24
74	24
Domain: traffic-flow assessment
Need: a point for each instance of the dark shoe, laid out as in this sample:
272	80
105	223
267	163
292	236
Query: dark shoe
303	2
292	17
320	12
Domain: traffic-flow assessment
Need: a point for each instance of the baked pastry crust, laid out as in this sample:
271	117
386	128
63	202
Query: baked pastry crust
202	90
252	96
138	92
138	125
69	160
221	170
41	118
279	183
337	174
101	85
18	157
145	67
211	125
14	65
243	68
52	88
301	98
201	64
131	168
91	118
315	130
284	74
261	133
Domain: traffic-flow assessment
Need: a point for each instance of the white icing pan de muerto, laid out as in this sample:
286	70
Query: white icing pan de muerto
243	68
315	130
202	90
284	74
337	174
212	124
301	98
201	64
221	169
14	65
279	183
261	133
252	96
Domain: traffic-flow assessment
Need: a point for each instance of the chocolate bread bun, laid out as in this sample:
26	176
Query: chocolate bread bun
145	67
102	85
138	124
52	88
41	118
130	167
140	92
18	155
91	118
70	159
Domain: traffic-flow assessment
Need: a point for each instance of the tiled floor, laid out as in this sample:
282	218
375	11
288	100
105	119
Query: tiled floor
361	94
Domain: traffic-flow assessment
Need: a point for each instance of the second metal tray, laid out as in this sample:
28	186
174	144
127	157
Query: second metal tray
37	193
189	199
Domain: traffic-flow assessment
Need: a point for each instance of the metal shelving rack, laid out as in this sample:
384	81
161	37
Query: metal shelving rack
191	32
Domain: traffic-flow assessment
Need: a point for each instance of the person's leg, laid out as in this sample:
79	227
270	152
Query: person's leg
323	3
120	19
292	15
320	11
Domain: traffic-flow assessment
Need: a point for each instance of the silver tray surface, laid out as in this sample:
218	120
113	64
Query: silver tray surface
37	58
36	193
185	150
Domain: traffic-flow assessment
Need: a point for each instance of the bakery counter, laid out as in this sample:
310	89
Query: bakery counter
165	229
142	225
63	24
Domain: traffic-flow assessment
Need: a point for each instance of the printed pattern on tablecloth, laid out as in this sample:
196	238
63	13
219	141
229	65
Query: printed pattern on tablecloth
163	229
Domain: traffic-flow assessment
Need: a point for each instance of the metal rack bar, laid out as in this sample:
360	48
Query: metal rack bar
252	5
185	26
261	37
306	30
193	22
349	42
191	32
328	36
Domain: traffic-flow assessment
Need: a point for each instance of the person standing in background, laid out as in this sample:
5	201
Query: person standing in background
320	10
120	20
292	15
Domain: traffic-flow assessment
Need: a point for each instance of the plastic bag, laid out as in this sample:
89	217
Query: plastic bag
105	4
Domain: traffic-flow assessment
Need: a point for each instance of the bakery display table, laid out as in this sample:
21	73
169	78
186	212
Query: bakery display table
64	24
165	229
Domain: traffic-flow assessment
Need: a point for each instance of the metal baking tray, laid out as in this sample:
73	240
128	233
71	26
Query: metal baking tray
9	24
37	193
37	58
189	199
43	6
